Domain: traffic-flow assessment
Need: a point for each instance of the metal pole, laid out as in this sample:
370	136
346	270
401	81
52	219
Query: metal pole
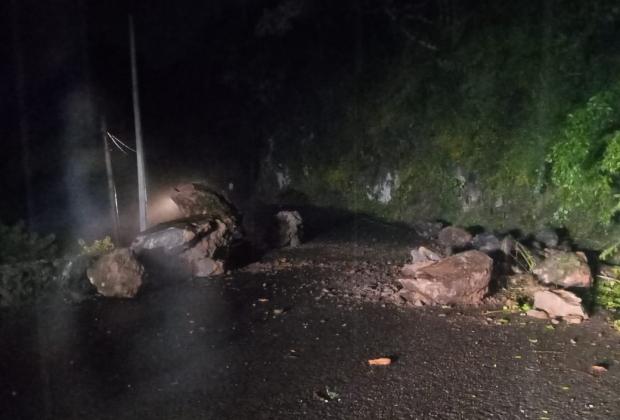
142	197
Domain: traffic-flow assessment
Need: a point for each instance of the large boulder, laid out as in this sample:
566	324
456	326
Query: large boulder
199	243
289	229
560	304
565	269
117	274
459	279
198	199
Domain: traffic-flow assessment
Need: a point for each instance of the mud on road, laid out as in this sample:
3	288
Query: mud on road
290	337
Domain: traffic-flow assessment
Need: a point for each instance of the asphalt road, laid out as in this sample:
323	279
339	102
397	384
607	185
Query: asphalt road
271	344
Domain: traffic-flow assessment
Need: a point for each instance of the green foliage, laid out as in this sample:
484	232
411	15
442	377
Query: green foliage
17	245
610	252
607	294
586	160
524	258
23	281
97	247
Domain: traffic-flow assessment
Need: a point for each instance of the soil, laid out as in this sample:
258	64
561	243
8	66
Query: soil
290	337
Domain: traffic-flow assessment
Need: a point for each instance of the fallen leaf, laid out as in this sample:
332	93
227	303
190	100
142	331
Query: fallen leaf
381	361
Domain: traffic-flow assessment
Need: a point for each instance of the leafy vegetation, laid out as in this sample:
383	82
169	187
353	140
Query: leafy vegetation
97	247
586	161
510	120
26	264
19	245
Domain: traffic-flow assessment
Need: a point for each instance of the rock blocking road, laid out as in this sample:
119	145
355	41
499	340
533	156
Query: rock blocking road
287	338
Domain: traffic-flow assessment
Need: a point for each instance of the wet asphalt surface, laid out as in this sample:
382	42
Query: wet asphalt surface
286	339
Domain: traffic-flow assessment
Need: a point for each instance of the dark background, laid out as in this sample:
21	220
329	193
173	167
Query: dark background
213	83
463	100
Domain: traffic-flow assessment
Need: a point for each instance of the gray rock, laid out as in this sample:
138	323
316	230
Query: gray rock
172	237
423	254
486	242
565	269
201	244
548	237
459	279
117	274
420	257
560	304
289	229
454	237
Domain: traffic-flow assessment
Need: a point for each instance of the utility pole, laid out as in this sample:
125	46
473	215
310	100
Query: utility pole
142	197
111	185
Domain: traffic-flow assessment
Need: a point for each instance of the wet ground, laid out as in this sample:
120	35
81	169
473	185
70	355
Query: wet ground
290	337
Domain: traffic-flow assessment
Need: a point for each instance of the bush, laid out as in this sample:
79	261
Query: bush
586	160
24	281
18	245
97	247
26	264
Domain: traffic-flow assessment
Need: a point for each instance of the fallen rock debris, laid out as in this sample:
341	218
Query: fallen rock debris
381	361
560	304
117	274
462	278
564	269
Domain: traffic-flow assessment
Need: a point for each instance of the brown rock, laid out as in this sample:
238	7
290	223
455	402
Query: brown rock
117	274
565	269
454	237
460	279
538	314
559	304
197	199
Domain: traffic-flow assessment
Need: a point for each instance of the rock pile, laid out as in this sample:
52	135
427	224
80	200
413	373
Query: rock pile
202	240
544	272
